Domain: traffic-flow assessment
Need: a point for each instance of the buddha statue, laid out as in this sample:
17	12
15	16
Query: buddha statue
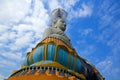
57	30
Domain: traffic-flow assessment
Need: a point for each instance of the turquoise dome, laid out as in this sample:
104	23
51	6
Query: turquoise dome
63	57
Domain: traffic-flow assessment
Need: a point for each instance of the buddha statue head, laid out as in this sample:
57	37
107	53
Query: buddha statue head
59	23
59	15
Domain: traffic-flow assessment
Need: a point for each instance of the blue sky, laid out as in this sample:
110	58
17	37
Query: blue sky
92	25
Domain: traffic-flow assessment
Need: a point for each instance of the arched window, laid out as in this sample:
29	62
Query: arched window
28	60
38	54
62	57
78	65
25	62
51	51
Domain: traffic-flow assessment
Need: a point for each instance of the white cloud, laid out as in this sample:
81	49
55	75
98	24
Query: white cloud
109	67
3	28
4	63
16	39
105	65
84	11
53	4
2	77
68	4
12	11
88	50
85	32
109	36
28	1
12	56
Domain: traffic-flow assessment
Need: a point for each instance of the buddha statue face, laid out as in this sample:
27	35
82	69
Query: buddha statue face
59	23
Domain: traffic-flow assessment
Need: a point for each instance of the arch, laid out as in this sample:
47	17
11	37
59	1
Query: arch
78	65
50	51
38	54
62	56
28	60
25	62
64	47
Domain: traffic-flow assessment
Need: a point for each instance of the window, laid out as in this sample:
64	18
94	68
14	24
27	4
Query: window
28	60
51	51
38	54
62	57
25	62
78	65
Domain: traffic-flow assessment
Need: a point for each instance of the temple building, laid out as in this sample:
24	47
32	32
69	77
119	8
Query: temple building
54	58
